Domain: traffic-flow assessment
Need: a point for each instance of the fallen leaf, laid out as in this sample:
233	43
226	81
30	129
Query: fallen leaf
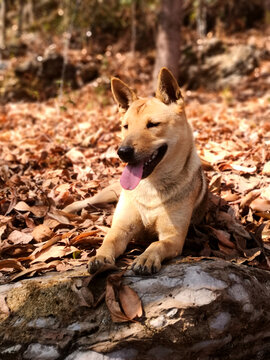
85	296
266	169
232	224
116	313
54	252
260	204
42	233
266	232
266	193
4	309
223	237
22	206
38	211
81	236
244	169
249	197
2	230
112	287
75	155
36	268
130	302
19	237
215	183
11	264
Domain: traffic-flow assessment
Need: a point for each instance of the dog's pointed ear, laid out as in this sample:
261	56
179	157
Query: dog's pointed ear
168	90
122	93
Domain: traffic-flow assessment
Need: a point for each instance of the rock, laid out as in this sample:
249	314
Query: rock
213	66
211	47
41	352
89	72
206	309
15	48
28	67
51	66
240	60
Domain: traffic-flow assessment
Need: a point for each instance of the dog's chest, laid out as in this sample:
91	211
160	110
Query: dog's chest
148	216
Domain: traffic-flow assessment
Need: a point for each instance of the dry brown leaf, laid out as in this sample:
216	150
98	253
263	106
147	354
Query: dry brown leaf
249	197
266	193
11	264
232	224
85	296
215	183
229	196
38	211
54	252
130	302
84	235
260	204
266	169
4	309
58	216
223	237
36	268
265	215
266	232
51	223
19	237
112	287
251	254
244	169
22	206
76	156
42	233
2	230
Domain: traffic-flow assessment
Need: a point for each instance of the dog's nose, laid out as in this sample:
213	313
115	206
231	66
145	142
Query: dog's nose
126	153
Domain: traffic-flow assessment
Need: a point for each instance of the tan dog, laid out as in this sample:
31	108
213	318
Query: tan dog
164	188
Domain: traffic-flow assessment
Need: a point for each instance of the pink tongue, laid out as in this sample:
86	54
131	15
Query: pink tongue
131	176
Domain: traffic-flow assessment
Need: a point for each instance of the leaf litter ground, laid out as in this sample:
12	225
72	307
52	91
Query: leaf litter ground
53	154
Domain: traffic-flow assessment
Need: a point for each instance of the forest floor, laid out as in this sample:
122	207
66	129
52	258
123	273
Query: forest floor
55	152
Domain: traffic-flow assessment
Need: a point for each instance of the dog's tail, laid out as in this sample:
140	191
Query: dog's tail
109	194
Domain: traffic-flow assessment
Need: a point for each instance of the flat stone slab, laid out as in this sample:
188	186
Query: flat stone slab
208	307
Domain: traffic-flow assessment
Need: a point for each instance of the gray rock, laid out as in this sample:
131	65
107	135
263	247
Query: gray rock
213	66
41	352
210	308
89	72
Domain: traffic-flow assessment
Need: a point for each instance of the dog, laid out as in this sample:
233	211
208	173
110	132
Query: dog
163	185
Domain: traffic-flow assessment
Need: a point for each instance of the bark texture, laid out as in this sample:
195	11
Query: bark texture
202	310
2	24
168	38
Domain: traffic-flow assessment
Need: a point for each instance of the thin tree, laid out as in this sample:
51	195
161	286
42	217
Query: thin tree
168	37
2	24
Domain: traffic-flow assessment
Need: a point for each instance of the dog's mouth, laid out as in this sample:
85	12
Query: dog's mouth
133	173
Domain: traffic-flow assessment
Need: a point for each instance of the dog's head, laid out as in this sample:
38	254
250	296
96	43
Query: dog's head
152	129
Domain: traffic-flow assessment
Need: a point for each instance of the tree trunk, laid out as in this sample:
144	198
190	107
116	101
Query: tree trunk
133	27
29	13
196	310
168	38
2	24
20	19
201	19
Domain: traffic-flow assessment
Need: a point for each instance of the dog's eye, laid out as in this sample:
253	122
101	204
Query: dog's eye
151	124
125	126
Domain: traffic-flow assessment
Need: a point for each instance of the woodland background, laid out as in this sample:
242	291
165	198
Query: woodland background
60	128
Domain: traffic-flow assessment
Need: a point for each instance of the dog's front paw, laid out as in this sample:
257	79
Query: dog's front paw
146	264
98	262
